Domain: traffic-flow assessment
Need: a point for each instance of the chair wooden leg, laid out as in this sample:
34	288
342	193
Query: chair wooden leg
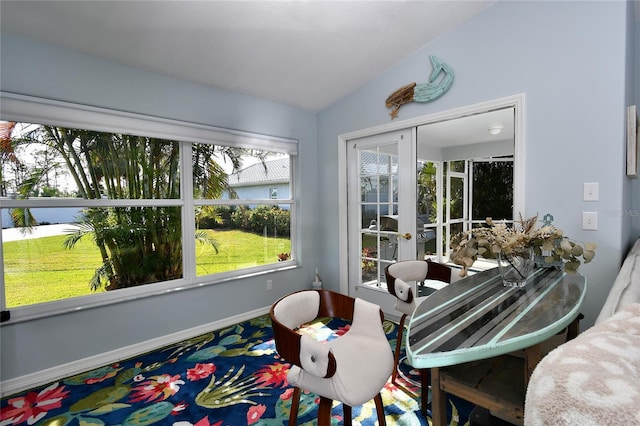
295	401
380	410
324	411
396	359
346	413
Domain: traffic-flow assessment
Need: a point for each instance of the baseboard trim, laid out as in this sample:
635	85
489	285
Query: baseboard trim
28	381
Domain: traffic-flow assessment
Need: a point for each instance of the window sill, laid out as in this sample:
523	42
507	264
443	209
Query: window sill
62	307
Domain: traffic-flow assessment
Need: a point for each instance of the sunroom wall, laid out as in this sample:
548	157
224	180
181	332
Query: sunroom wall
635	203
34	69
569	59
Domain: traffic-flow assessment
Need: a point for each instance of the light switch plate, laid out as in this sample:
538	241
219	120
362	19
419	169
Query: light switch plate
590	221
590	191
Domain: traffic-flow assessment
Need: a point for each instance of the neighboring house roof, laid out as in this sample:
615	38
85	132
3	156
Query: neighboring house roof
272	171
372	164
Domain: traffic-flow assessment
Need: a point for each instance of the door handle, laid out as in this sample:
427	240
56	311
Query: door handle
406	236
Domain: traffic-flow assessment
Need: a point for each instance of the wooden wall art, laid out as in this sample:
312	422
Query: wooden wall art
424	92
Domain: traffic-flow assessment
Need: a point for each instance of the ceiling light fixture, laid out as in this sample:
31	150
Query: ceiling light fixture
496	129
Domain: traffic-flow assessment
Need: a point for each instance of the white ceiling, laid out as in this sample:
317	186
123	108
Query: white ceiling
468	130
307	54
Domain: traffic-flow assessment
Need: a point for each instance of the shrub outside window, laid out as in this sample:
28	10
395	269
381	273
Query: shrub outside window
138	206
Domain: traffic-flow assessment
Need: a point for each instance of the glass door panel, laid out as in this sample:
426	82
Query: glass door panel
375	195
428	204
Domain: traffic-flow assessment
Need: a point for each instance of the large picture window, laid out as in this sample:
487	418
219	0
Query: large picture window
96	202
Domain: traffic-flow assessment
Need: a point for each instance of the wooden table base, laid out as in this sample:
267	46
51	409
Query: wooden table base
496	384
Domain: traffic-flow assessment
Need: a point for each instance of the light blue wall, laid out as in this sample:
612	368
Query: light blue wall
255	192
569	60
635	199
630	185
35	69
636	53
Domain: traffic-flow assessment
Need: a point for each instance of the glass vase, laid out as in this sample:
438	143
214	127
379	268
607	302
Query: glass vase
514	268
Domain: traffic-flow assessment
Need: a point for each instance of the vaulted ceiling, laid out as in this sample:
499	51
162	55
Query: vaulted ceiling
307	54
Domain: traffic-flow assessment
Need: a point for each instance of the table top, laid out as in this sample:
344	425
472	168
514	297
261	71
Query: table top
477	317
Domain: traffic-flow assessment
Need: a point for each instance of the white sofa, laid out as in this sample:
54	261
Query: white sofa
626	288
594	379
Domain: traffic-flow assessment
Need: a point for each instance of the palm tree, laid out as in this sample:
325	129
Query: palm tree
138	245
21	217
7	152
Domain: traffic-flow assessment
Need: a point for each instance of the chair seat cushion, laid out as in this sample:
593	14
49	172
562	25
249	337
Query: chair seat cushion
435	284
355	382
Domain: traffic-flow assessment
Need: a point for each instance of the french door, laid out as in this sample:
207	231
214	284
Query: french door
381	205
407	187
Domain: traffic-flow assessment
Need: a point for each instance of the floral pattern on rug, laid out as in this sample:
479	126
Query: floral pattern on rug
226	377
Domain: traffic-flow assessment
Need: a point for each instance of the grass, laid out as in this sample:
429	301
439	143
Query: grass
238	250
42	270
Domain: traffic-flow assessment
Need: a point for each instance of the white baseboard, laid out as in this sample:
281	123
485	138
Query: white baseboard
39	378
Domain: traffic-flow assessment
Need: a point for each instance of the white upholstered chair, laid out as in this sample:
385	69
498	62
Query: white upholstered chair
403	277
351	369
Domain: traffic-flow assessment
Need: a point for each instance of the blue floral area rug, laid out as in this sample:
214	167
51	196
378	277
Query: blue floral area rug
226	377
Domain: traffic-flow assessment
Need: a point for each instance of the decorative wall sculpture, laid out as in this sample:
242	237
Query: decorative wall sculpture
424	92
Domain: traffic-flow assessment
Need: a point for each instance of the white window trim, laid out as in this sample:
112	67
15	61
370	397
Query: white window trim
21	108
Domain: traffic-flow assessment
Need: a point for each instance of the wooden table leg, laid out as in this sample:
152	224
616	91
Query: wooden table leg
574	327
438	400
532	356
424	390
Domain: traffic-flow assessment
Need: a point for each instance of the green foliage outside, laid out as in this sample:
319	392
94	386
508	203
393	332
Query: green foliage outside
41	270
493	184
273	219
256	220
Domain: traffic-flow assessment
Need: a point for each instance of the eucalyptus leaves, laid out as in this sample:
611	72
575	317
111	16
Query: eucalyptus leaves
549	244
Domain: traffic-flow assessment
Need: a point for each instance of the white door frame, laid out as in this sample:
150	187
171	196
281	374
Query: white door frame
404	152
517	101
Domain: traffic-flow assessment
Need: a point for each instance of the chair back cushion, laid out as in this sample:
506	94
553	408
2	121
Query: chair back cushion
408	270
297	308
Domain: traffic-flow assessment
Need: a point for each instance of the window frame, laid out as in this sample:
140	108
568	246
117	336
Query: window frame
21	108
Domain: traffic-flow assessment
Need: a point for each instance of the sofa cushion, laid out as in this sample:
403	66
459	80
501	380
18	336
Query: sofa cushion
626	288
592	380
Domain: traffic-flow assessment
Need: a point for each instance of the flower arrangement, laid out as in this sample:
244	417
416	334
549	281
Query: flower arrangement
548	243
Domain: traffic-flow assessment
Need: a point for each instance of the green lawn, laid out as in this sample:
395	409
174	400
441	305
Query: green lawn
41	270
239	250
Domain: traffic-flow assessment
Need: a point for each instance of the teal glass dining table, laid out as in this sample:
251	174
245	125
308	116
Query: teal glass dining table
478	318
